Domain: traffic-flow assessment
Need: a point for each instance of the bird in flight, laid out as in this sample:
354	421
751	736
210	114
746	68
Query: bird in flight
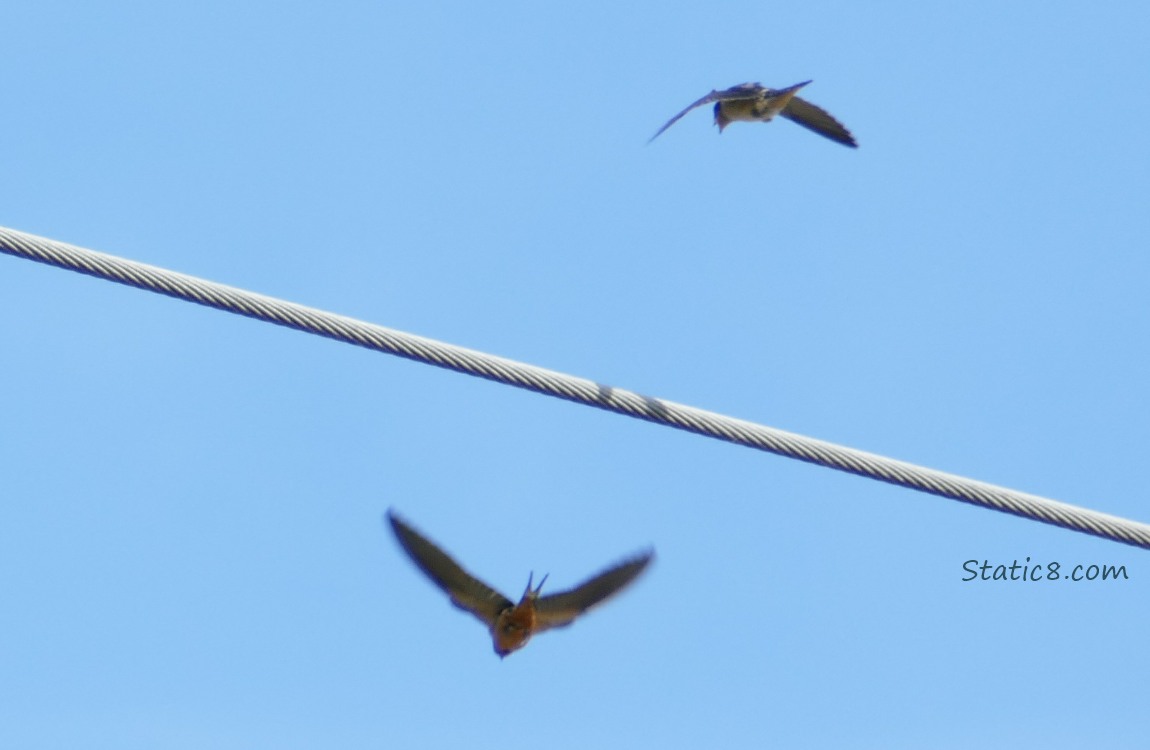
753	102
512	625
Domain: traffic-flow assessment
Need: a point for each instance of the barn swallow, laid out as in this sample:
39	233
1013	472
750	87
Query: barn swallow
753	102
512	625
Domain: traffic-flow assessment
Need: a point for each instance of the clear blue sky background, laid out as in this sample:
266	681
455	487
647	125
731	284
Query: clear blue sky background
191	550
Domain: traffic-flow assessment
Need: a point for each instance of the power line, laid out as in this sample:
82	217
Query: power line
567	387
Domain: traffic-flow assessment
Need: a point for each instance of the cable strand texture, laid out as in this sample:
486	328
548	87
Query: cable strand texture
571	388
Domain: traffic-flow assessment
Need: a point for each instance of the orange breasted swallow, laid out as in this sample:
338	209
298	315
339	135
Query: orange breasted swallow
512	625
753	102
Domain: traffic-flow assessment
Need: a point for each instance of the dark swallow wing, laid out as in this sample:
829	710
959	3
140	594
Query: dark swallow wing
557	610
819	120
466	591
742	91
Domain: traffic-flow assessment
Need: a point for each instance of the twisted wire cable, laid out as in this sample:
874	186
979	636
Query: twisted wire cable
579	390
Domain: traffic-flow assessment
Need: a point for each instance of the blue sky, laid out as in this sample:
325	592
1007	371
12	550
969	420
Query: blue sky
191	546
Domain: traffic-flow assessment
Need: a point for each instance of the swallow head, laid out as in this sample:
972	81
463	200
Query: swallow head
512	630
721	118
